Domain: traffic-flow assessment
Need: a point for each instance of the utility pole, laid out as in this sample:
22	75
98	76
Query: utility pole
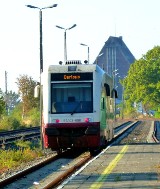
6	91
41	59
6	82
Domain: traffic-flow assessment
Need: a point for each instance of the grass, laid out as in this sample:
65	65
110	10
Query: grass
24	152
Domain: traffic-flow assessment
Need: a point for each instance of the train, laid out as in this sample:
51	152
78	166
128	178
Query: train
78	107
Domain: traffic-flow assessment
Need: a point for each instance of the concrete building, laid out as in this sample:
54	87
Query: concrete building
115	58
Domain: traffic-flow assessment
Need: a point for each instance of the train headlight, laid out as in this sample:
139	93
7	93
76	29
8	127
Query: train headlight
57	120
87	120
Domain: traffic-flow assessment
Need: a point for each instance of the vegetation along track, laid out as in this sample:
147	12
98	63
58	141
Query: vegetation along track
59	169
56	168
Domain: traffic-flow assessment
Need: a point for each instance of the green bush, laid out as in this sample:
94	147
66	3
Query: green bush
13	158
9	123
24	153
34	117
157	115
17	112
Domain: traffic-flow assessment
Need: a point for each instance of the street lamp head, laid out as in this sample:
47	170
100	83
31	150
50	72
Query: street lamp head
60	27
52	6
33	7
72	26
67	28
83	44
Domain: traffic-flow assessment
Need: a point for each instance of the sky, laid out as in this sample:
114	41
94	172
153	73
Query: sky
137	21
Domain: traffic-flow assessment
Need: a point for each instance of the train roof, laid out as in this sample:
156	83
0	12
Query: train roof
74	66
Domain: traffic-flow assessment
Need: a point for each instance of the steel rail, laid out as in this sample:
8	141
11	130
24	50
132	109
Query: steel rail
64	175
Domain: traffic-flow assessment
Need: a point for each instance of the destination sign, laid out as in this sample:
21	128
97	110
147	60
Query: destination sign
71	76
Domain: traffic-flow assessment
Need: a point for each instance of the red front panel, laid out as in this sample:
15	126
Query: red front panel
77	135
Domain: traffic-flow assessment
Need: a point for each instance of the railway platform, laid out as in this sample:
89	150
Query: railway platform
122	167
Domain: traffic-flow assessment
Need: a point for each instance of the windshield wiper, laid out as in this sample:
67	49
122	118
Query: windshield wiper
76	108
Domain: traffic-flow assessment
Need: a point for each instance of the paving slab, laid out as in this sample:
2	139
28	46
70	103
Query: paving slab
122	167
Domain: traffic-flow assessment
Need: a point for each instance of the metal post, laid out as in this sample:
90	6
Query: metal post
6	93
115	83
114	96
41	60
123	101
87	50
41	45
41	70
65	47
88	54
65	40
114	88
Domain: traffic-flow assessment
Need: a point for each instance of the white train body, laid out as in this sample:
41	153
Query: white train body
78	106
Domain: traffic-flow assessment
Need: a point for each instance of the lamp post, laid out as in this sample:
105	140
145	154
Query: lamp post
40	29
65	41
123	88
41	55
114	73
123	100
88	49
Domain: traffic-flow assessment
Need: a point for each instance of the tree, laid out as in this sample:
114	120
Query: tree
26	87
11	99
2	104
143	81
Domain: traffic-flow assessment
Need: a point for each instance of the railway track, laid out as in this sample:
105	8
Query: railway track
55	169
8	137
19	131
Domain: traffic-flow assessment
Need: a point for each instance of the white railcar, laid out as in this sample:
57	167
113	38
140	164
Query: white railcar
78	106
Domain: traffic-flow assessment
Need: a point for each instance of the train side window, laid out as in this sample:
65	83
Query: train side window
107	88
102	103
114	93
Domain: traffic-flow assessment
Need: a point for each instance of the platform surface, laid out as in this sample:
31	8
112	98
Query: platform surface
122	167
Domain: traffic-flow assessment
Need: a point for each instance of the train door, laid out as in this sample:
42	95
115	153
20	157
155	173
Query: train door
103	118
103	113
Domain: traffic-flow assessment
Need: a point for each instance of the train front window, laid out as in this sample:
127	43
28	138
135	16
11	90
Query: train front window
71	98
